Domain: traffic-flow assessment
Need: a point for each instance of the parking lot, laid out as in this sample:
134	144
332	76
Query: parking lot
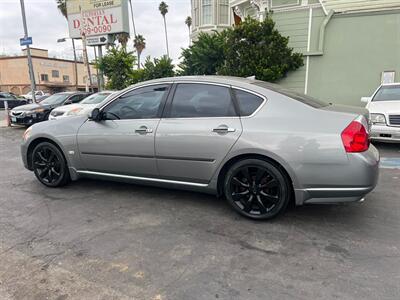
105	240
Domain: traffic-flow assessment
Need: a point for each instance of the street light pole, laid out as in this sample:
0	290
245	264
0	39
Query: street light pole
28	50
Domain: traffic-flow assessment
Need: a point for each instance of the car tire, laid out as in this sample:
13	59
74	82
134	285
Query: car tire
257	189
49	165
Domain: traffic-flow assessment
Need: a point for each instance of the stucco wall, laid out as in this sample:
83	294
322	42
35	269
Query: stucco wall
358	48
14	74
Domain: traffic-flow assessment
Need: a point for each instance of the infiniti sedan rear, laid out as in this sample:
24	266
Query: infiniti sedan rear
257	144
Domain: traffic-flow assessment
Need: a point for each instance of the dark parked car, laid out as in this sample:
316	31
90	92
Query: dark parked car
33	113
11	99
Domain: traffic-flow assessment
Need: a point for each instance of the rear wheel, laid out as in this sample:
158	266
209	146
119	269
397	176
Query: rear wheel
257	189
49	165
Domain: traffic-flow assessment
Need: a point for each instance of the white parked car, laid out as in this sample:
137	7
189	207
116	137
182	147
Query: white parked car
384	109
81	108
38	95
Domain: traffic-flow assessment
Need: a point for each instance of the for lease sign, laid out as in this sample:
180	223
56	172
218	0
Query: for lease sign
97	17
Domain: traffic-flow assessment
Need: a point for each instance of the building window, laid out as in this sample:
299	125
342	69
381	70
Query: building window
55	73
224	12
44	77
65	78
196	13
388	77
207	12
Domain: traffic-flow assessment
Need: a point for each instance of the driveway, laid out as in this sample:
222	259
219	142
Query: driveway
105	240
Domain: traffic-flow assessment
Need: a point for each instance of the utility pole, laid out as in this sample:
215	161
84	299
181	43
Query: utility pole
133	20
28	50
75	65
85	56
101	76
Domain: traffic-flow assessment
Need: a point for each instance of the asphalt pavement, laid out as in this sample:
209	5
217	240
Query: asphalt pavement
107	240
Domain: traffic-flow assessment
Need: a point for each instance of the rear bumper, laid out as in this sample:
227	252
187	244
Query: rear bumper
385	133
361	176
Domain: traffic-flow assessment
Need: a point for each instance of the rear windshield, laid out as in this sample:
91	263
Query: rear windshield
296	96
388	93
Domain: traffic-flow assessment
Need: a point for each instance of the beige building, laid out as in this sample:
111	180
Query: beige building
51	74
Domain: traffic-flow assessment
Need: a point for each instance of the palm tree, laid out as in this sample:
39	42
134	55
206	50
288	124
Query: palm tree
188	23
62	7
139	43
163	8
123	38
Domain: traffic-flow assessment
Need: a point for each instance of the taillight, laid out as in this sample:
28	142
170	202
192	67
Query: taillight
355	137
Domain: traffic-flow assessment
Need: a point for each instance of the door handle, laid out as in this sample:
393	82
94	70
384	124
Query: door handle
143	130
223	129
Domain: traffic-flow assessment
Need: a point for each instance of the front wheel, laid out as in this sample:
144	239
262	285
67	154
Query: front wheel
257	189
49	165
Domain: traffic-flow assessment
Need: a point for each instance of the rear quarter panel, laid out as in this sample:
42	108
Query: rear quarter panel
306	141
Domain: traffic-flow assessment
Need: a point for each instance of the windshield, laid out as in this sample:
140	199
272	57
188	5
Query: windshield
388	93
291	94
55	99
95	99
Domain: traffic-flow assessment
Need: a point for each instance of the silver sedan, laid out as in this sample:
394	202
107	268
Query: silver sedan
255	143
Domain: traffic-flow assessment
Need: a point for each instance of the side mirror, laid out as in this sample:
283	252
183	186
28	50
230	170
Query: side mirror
365	99
67	102
95	115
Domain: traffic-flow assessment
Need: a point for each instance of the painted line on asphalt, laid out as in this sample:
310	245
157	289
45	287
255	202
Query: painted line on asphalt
390	163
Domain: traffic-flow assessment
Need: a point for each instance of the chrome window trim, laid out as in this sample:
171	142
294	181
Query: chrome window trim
256	94
130	89
139	178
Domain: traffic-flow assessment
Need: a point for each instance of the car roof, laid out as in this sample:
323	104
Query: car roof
70	93
206	78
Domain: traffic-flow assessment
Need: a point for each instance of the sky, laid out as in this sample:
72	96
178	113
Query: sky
46	25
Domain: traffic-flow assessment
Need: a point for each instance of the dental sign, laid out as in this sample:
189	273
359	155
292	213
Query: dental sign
97	17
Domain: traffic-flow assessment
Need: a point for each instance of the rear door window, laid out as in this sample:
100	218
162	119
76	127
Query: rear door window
195	100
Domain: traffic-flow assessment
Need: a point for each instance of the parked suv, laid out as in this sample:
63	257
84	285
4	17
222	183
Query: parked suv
36	112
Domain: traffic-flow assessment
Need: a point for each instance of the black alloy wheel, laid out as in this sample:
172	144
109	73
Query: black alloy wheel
49	165
257	189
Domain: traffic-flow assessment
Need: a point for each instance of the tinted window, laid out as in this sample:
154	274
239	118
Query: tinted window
248	103
201	100
142	103
76	98
296	96
388	93
55	99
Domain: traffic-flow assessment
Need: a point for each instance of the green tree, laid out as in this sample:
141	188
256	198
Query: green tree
204	56
188	23
117	65
158	68
257	48
163	8
139	43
